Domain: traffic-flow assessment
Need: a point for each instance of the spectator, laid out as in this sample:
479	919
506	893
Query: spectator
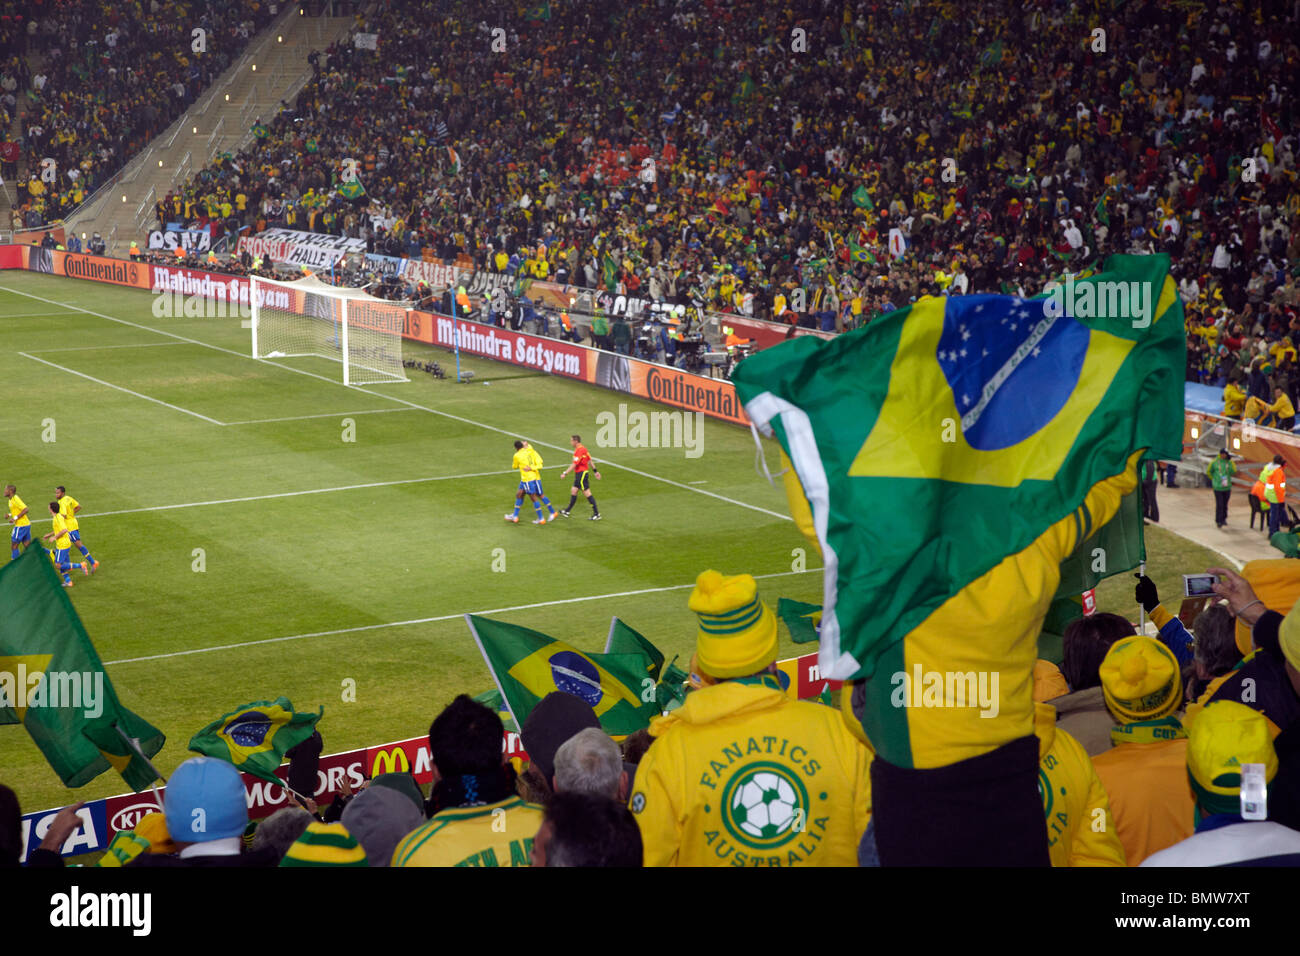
470	782
211	837
1082	713
1215	655
278	831
590	762
325	844
555	719
1080	824
379	817
583	829
1226	736
741	746
1145	772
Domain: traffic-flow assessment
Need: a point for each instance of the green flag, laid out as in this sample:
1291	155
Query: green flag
802	619
352	188
862	198
541	11
255	737
492	699
624	640
860	253
1100	212
260	131
528	665
745	90
53	682
945	437
992	54
610	267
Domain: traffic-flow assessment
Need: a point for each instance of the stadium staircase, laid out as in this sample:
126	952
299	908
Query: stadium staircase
9	191
273	68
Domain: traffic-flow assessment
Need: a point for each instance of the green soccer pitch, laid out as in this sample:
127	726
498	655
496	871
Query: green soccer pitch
326	560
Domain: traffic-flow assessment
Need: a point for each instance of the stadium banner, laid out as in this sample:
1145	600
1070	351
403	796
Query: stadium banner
666	385
76	265
514	348
235	290
312	249
191	240
436	272
365	41
102	819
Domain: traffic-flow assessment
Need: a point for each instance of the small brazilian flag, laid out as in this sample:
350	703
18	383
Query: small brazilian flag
862	198
260	131
352	188
312	146
860	254
255	737
610	268
492	700
528	665
803	620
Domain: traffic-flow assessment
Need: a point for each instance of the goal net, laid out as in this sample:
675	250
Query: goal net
350	326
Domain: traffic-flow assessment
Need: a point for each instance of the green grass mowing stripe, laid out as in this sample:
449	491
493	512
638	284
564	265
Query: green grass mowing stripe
120	388
442	617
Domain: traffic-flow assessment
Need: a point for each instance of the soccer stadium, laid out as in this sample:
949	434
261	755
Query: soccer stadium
889	405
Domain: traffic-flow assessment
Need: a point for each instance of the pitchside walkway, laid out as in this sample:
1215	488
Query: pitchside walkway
1189	512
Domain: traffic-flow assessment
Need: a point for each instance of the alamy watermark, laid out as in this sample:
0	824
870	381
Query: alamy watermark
651	430
924	688
1106	298
20	689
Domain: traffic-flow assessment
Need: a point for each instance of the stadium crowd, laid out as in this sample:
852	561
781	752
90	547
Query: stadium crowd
109	78
776	175
1149	736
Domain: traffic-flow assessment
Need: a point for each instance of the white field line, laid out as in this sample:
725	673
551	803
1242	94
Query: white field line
441	617
100	381
402	401
300	418
101	348
284	494
31	315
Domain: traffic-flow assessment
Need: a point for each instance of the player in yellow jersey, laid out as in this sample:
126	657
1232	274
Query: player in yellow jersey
21	536
68	507
529	464
62	545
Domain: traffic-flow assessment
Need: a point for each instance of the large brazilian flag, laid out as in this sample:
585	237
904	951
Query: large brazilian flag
942	438
527	665
256	737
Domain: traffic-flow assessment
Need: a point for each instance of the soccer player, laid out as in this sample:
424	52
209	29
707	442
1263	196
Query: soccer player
62	545
68	507
529	464
582	468
21	536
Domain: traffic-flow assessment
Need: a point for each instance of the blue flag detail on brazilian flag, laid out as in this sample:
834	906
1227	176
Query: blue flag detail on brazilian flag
527	665
940	439
256	736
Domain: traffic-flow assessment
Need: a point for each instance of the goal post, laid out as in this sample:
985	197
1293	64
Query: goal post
308	317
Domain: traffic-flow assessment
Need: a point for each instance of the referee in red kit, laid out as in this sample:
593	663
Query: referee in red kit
582	469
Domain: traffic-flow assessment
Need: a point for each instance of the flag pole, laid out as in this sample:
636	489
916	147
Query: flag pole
1142	612
134	745
455	333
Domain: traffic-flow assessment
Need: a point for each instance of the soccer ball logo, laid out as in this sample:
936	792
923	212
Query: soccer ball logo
765	805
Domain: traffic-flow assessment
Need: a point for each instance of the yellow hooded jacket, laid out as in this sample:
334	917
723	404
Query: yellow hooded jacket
1077	835
740	775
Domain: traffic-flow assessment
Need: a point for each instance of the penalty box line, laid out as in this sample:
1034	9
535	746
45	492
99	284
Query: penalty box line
402	401
438	618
